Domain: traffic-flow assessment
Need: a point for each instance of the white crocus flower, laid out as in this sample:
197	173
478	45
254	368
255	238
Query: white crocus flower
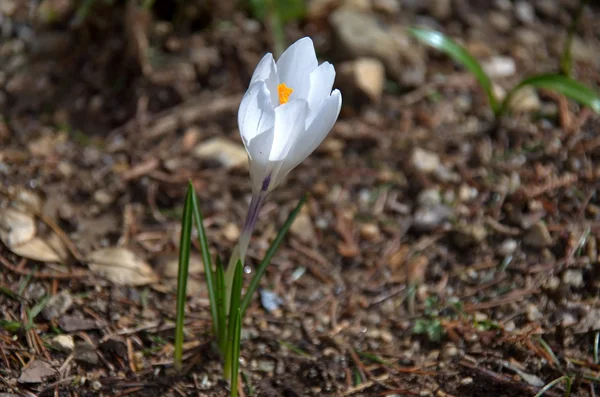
286	113
288	110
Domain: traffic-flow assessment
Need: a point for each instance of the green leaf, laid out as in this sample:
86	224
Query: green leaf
459	54
561	84
221	308
206	260
236	340
10	326
182	274
234	310
260	271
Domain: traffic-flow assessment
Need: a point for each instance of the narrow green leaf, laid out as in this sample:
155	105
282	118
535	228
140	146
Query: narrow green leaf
221	308
566	61
459	54
561	84
236	293
206	260
37	309
550	385
182	275
260	271
236	342
10	326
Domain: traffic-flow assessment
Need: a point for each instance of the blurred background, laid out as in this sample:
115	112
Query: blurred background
445	249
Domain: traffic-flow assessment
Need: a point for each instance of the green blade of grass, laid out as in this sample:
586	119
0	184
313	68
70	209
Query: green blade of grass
459	54
221	309
206	260
269	255
566	61
561	84
182	275
550	385
236	294
235	351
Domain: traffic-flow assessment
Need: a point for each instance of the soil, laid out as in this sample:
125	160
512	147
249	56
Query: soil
441	252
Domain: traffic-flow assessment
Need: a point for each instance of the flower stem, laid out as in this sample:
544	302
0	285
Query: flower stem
239	251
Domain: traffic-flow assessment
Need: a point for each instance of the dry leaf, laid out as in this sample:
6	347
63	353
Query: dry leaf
38	249
16	227
121	266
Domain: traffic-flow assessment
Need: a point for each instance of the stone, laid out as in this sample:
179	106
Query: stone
573	278
363	77
524	12
538	236
525	100
429	197
86	353
370	232
508	247
424	161
390	7
499	66
57	305
63	343
428	219
361	34
303	229
500	21
469	234
440	9
224	151
533	313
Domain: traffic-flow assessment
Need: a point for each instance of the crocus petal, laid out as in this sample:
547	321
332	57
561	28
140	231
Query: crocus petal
267	70
295	66
259	149
321	82
256	113
314	134
289	125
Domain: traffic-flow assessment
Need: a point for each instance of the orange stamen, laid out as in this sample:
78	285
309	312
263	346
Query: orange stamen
284	93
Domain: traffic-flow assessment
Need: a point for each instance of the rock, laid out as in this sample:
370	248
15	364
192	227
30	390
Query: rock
573	278
429	198
317	9
57	305
525	100
302	228
424	161
524	12
440	9
583	51
231	232
269	300
549	8
370	232
467	193
499	66
508	247
390	7
538	236
533	313
225	152
73	323
500	21
63	343
360	34
364	77
471	234
37	372
428	219
86	353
